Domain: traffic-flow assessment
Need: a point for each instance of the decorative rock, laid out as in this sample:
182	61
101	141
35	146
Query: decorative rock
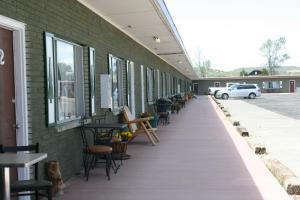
243	131
260	150
227	114
236	123
285	176
257	146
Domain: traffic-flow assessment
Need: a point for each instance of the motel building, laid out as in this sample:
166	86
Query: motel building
63	62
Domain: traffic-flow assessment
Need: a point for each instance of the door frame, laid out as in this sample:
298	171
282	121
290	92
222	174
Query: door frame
19	52
197	92
290	86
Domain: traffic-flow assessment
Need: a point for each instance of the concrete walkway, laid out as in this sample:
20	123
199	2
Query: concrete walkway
279	133
198	158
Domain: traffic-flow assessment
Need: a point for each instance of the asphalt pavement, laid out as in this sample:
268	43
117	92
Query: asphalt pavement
274	120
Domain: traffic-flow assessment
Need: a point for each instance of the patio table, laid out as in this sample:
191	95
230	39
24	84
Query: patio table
15	160
111	127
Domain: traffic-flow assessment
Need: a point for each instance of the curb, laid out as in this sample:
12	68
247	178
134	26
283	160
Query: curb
289	181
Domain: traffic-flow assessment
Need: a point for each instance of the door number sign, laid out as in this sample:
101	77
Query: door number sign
2	57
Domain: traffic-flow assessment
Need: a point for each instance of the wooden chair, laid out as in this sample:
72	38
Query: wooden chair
140	125
18	188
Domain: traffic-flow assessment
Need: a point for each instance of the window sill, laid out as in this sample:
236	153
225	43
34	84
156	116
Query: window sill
66	125
116	111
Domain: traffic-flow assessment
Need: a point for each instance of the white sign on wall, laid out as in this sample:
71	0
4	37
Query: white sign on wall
2	57
105	87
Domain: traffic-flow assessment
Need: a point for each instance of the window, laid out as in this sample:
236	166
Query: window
217	84
179	86
169	85
244	87
157	77
150	86
116	73
241	87
174	86
64	69
272	84
164	84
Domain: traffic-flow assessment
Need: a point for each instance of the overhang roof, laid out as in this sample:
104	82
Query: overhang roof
248	77
142	20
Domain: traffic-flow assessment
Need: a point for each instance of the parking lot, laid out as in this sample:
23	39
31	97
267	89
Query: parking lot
284	104
274	121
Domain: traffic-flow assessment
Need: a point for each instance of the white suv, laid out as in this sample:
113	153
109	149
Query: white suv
250	91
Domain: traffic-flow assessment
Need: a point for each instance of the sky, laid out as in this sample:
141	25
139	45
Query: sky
231	32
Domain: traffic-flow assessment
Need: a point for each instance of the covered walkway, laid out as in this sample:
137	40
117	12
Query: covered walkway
199	157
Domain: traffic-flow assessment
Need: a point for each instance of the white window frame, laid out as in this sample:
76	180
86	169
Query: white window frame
79	79
266	84
158	83
142	89
130	86
149	85
120	78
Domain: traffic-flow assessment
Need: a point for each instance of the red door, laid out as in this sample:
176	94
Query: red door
7	89
195	88
292	86
7	93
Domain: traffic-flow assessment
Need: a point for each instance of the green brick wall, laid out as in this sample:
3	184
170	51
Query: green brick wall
72	21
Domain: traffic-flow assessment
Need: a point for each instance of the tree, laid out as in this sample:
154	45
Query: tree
264	72
273	51
243	73
204	67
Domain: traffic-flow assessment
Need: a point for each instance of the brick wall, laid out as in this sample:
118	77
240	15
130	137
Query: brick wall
72	21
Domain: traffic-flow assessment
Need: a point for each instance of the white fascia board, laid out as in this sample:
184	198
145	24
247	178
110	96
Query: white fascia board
165	14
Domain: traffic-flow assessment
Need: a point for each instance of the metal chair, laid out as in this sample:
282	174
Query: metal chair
28	187
163	109
92	152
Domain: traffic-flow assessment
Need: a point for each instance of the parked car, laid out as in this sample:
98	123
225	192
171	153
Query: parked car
250	91
214	90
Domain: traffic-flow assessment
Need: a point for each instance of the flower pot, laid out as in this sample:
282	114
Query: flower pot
154	121
119	147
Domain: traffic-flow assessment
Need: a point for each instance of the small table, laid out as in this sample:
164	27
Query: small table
111	127
15	160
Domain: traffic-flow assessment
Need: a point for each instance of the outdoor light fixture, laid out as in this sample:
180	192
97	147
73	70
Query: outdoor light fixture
156	39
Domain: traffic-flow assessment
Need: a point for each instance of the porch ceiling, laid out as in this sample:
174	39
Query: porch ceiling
142	20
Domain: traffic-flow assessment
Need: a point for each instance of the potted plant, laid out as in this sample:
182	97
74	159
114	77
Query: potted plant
120	141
